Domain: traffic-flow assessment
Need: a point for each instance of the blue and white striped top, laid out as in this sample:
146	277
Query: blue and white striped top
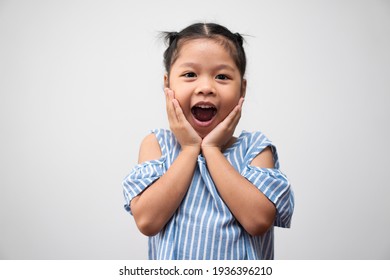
203	227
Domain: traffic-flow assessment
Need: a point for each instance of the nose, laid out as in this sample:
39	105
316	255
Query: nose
205	86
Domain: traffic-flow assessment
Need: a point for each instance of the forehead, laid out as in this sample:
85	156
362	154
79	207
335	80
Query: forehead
205	49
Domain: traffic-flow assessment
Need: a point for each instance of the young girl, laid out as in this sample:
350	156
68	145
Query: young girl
198	191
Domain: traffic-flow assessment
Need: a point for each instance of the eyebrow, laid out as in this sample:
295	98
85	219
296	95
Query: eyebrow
218	67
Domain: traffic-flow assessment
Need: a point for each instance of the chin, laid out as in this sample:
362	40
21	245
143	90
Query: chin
203	128
203	133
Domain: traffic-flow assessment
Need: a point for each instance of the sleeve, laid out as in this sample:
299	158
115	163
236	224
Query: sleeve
270	181
141	177
275	186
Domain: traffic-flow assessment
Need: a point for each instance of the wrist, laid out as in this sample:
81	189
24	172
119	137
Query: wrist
210	150
191	150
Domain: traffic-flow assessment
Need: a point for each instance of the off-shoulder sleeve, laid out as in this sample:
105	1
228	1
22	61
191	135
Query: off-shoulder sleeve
141	177
275	186
270	181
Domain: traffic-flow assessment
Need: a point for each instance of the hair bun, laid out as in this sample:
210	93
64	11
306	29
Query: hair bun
239	38
171	37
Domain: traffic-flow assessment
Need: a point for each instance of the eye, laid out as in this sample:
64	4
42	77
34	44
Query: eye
222	77
189	75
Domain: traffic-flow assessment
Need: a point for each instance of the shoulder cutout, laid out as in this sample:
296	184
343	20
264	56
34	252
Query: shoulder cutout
150	149
264	159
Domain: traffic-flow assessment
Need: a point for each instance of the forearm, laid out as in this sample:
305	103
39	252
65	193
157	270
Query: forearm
249	206
155	206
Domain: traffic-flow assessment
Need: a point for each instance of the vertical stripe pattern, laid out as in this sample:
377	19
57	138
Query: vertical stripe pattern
203	227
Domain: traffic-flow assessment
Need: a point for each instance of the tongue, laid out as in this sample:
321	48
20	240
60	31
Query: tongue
203	114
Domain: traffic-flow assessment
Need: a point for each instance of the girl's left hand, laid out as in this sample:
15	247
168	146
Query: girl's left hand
223	132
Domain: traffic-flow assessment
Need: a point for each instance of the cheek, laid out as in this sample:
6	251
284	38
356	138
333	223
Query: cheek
233	100
183	99
229	104
182	93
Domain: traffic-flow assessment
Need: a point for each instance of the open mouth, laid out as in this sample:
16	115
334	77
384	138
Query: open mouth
204	112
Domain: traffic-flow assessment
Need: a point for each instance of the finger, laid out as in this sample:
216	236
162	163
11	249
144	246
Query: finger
234	114
179	112
241	102
233	118
168	97
176	108
238	109
169	104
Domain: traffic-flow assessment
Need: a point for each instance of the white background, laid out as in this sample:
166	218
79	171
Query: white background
81	85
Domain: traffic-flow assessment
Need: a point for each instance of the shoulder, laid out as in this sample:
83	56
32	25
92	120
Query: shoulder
260	148
158	143
149	149
265	159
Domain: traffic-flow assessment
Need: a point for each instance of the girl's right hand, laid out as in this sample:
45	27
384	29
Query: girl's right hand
181	128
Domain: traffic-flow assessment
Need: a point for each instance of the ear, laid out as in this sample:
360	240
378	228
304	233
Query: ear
243	87
166	81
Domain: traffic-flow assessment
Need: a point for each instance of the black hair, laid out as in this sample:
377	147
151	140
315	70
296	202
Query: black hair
232	42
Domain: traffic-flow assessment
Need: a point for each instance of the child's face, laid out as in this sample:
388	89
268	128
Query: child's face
206	82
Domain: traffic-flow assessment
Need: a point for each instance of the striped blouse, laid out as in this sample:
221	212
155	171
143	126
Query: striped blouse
203	227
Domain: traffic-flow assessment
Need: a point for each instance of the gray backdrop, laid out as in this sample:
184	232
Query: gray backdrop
81	85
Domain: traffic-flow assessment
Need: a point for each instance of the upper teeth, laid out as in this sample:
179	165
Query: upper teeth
205	106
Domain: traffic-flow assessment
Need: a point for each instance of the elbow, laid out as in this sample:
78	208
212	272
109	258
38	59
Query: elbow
147	227
261	223
146	224
258	228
